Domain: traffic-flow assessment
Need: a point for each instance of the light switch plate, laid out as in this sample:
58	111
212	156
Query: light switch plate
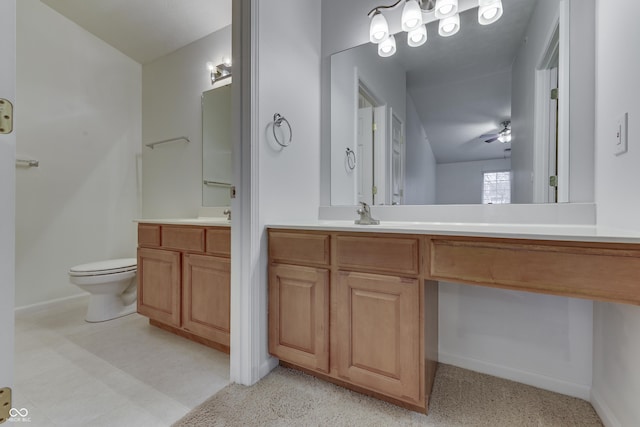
622	128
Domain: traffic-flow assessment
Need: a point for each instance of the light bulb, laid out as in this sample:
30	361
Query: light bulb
379	29
446	8
417	37
449	26
489	11
387	47
210	66
411	15
226	61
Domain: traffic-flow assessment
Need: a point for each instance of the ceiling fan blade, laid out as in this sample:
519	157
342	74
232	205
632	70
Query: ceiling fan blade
491	140
487	135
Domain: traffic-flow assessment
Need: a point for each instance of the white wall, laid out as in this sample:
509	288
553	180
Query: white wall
420	163
461	183
289	84
541	340
386	80
79	115
581	36
172	88
616	373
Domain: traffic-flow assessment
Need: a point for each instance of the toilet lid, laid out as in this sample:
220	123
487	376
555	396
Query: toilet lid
111	266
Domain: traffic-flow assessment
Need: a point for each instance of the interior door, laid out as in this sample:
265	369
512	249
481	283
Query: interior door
364	154
397	161
7	192
380	156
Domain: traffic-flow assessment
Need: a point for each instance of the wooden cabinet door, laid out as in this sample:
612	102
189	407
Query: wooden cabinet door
206	297
378	333
299	315
159	285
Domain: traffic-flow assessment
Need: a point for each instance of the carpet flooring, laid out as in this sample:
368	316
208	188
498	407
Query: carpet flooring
460	397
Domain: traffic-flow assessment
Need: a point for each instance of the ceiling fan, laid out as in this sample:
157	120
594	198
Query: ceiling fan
503	135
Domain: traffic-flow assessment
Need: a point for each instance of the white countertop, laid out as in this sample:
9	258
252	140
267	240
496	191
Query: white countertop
207	221
584	233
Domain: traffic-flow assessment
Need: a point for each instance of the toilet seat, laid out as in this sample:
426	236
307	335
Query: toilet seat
100	268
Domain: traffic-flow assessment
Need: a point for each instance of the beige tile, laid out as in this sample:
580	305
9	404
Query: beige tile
121	372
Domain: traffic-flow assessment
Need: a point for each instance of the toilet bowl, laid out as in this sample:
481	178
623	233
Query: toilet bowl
111	285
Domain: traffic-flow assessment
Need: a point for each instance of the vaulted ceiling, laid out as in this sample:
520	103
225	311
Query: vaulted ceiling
145	30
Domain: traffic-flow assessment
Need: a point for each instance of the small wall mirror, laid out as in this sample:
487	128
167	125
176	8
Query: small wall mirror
216	147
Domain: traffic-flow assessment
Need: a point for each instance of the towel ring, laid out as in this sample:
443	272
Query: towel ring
277	121
351	159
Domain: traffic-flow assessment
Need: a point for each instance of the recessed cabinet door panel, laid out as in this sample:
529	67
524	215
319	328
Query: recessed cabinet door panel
159	285
299	315
378	333
206	296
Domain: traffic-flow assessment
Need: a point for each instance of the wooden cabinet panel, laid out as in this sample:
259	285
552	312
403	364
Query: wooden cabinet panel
183	238
206	296
299	315
218	241
602	272
393	254
148	235
378	333
299	248
159	285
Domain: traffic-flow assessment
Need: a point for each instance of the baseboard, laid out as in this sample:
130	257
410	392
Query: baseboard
268	366
604	412
580	391
46	305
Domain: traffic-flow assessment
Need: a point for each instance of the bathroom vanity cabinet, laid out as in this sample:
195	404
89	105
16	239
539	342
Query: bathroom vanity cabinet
351	309
184	280
360	308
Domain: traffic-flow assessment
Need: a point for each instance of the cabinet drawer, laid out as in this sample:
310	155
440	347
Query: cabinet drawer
299	248
218	241
183	238
600	272
148	235
396	254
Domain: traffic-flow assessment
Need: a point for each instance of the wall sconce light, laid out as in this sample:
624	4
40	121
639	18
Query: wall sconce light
220	71
413	22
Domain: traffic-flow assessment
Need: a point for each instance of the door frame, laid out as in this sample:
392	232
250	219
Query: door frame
7	195
557	40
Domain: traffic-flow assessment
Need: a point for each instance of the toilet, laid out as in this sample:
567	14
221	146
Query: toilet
112	287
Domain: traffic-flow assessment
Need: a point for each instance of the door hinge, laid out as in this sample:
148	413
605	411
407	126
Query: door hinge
553	181
6	116
5	404
232	191
554	93
374	190
374	127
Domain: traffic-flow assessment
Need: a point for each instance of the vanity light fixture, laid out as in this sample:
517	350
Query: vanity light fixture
413	22
411	16
220	71
449	26
489	11
446	8
387	47
417	37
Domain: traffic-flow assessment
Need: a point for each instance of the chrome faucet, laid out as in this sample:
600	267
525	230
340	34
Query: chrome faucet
365	215
227	212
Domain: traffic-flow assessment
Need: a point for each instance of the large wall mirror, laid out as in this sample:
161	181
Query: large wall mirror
478	117
216	146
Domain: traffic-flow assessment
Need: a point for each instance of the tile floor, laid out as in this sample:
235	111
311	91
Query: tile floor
117	373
